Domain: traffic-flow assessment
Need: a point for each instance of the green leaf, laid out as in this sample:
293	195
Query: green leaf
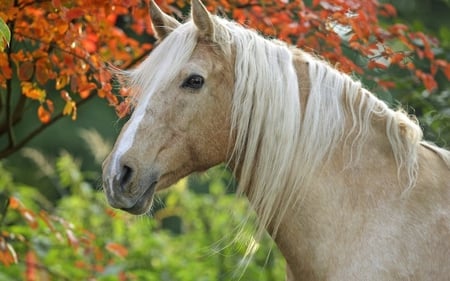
5	35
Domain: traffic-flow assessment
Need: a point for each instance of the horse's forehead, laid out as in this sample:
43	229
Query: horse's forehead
213	57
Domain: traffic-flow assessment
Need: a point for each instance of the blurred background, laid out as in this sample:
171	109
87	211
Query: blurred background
55	223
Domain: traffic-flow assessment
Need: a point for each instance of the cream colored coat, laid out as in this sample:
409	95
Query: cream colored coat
345	185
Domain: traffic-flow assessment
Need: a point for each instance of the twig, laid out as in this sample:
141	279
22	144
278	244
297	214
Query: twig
16	115
10	150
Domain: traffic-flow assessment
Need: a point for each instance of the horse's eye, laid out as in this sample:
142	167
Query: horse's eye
194	81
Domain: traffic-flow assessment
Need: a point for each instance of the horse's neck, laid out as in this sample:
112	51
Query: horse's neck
339	190
307	235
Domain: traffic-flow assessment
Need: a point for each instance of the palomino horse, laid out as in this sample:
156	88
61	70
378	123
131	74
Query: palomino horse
344	184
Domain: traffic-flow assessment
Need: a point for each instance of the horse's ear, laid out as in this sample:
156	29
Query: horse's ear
162	23
202	19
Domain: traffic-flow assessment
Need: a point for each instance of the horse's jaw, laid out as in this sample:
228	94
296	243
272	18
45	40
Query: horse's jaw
143	203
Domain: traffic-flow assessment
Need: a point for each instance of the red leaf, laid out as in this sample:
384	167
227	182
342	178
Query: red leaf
386	84
56	3
429	82
374	64
389	9
32	266
42	71
447	71
123	109
74	13
25	71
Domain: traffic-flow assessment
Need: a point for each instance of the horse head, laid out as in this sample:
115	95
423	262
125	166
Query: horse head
180	123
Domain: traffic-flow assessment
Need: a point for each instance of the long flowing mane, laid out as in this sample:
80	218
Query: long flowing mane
281	149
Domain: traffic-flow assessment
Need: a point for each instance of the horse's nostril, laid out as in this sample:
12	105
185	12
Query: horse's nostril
125	176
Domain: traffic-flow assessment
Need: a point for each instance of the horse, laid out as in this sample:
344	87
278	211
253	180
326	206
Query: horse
346	186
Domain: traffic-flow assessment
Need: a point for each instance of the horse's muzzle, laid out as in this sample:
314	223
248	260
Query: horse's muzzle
129	189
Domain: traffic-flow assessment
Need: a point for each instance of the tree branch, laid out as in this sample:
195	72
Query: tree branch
10	150
16	115
8	114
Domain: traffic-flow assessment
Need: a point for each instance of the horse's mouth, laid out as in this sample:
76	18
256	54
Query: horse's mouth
144	203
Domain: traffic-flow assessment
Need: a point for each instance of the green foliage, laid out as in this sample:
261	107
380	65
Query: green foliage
5	35
190	236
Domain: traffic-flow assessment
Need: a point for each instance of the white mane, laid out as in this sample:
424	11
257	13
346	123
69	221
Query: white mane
279	148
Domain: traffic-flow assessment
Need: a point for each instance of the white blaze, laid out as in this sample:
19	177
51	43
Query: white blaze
153	74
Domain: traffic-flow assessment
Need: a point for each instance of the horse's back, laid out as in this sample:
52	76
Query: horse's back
426	228
408	236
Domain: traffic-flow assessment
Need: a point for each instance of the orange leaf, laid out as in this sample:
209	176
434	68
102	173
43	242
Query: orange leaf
124	92
429	82
50	106
84	94
14	203
61	82
32	92
117	249
43	114
444	66
397	57
112	99
8	255
427	79
85	90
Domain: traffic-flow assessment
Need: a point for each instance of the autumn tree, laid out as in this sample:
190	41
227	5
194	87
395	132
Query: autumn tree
55	58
